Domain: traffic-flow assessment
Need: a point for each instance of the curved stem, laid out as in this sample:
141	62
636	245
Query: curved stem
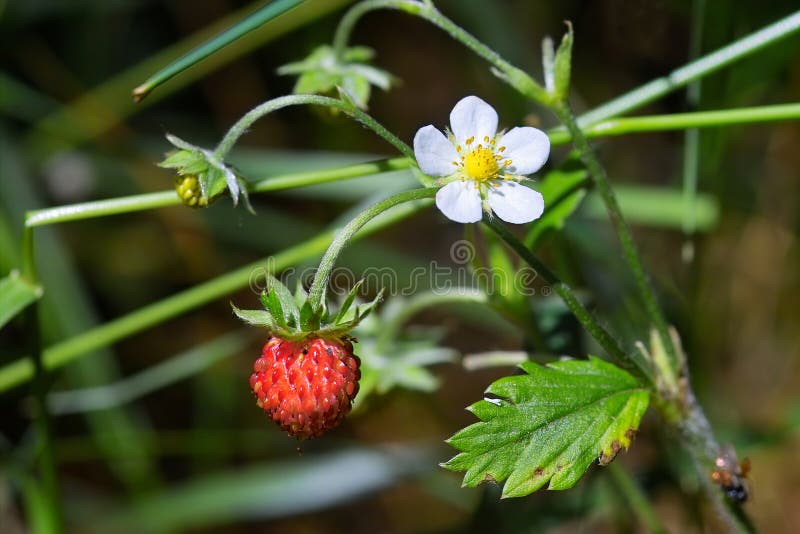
584	316
511	74
316	293
161	199
22	370
243	124
652	123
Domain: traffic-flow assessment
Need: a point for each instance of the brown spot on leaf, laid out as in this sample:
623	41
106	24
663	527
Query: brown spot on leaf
488	478
606	459
631	433
538	472
559	467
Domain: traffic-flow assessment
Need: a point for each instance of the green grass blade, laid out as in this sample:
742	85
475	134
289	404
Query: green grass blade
273	490
16	294
250	23
659	207
60	354
109	103
695	70
161	375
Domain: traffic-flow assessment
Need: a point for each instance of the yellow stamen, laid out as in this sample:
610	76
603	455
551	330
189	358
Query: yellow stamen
480	164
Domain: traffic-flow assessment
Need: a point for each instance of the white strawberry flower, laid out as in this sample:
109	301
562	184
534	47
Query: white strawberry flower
483	168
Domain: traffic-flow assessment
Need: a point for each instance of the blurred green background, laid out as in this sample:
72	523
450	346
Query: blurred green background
196	454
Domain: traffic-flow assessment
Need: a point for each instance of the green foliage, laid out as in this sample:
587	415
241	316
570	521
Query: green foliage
15	295
212	174
393	359
563	64
322	72
548	425
250	23
563	190
293	317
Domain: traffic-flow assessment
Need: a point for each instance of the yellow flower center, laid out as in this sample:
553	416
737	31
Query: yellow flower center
483	162
480	164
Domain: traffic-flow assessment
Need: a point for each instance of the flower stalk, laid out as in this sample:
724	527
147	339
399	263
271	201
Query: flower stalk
316	294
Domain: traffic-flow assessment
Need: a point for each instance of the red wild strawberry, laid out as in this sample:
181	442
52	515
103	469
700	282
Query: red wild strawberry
307	386
307	376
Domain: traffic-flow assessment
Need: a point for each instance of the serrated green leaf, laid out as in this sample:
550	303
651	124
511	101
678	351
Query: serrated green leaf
16	294
549	425
255	317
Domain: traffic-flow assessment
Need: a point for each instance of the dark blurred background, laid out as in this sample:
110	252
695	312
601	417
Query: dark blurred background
166	460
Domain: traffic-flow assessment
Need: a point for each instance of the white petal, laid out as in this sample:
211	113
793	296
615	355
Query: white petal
470	117
527	148
435	153
516	203
460	202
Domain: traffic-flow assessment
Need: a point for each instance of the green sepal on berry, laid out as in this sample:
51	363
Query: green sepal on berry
325	73
202	178
291	317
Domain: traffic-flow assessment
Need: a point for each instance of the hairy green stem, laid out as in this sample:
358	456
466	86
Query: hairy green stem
161	199
316	294
682	121
243	124
60	354
511	74
584	316
629	251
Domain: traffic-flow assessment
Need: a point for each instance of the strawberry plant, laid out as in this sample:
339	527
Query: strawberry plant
547	288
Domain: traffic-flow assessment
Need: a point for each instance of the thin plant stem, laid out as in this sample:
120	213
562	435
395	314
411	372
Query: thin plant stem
691	138
161	199
41	384
629	251
60	354
316	294
511	74
611	127
681	121
584	316
243	124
